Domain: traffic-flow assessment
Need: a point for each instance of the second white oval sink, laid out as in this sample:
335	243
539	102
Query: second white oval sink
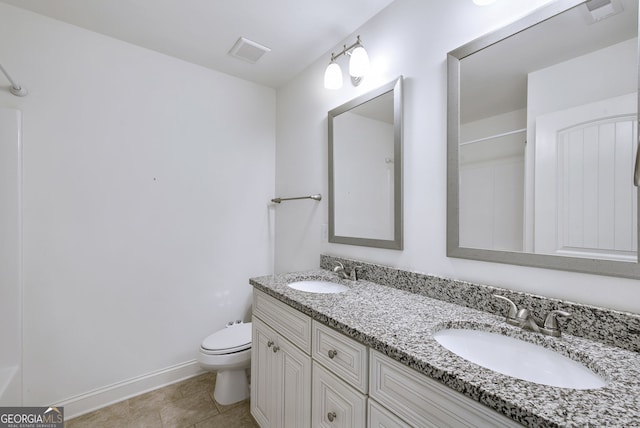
318	286
519	359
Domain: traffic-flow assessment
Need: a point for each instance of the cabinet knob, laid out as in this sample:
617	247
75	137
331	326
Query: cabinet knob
331	416
270	344
276	349
332	353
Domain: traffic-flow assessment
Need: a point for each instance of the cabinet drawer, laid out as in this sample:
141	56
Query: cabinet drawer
290	323
342	355
334	403
423	402
379	417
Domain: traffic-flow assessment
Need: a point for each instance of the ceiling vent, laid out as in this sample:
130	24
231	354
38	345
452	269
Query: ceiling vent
248	50
597	10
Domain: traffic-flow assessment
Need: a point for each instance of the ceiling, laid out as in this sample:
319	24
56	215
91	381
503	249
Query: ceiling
203	31
494	80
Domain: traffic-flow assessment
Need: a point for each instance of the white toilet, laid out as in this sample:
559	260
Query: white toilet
228	352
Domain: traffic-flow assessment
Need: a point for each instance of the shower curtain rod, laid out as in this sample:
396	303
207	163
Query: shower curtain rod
16	89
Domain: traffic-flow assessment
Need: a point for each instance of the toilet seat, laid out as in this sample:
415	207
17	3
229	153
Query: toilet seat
235	338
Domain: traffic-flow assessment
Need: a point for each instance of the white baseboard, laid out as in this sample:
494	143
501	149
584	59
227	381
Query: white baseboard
102	397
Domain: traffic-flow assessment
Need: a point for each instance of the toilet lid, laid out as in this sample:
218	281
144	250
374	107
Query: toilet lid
230	339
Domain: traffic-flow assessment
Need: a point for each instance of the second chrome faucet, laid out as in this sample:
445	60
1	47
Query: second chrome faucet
345	273
522	318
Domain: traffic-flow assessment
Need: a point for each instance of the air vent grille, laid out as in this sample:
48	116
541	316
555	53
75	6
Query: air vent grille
248	50
597	10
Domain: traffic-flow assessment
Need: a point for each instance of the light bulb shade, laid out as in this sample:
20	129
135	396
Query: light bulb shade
359	62
333	76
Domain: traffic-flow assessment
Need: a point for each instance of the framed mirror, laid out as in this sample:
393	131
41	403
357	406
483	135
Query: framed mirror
542	141
365	169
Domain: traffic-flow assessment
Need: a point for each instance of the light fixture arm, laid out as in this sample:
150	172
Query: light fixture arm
346	49
17	90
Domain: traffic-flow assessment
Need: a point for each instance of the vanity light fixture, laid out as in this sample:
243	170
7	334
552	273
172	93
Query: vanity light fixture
333	76
358	66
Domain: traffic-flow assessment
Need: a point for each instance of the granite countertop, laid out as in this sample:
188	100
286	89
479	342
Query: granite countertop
400	324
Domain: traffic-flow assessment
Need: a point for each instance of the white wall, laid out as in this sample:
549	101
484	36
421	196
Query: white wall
146	189
412	38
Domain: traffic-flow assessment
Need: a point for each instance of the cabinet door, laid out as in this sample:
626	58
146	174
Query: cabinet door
295	378
280	380
336	404
379	417
264	384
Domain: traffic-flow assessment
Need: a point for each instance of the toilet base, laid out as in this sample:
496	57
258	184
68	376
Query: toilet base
231	386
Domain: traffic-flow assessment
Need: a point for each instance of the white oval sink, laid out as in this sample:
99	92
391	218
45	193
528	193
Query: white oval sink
318	286
519	359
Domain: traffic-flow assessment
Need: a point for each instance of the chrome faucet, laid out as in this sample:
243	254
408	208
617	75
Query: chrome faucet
551	327
522	318
345	273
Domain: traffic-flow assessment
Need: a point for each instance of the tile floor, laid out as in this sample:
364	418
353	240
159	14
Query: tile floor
187	404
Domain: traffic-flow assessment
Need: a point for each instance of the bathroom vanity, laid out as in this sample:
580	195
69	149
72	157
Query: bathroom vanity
336	381
366	357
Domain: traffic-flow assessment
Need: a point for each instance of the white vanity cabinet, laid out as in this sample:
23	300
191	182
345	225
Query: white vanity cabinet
304	374
280	369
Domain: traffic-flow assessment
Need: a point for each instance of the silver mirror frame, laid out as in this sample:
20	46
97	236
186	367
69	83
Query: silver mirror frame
584	265
397	242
